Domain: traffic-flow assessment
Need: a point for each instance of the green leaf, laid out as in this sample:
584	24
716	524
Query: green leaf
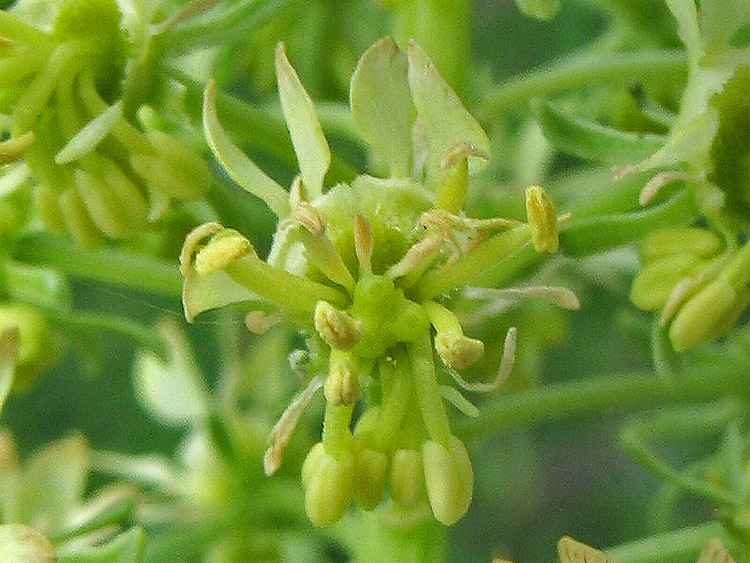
381	104
90	135
172	391
310	145
445	120
21	544
583	138
239	167
9	342
539	9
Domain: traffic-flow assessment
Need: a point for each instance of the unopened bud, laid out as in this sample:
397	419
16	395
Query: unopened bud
653	284
704	315
458	351
342	384
449	479
337	328
676	240
406	478
542	219
36	351
370	470
225	247
328	485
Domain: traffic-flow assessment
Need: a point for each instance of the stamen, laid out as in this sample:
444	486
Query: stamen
557	295
283	429
363	243
658	181
258	322
506	366
454	397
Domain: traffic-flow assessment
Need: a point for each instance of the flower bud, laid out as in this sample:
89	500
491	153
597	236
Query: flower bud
458	351
704	315
328	485
449	479
542	220
342	384
370	470
674	240
339	329
653	284
406	478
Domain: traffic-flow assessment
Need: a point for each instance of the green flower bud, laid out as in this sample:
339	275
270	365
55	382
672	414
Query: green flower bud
36	350
653	284
21	544
339	329
665	242
328	483
406	477
702	317
542	220
370	470
342	384
449	479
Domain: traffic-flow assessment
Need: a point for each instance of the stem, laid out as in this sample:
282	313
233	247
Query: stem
470	265
584	71
143	336
671	547
336	429
622	391
229	25
108	265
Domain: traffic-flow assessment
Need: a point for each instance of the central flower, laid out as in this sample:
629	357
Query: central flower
360	269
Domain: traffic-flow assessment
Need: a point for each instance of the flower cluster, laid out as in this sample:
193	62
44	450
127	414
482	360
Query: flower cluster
94	172
361	268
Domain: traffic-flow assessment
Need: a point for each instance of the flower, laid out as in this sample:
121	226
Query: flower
360	268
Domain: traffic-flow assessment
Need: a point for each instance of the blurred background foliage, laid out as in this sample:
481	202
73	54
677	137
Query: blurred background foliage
533	484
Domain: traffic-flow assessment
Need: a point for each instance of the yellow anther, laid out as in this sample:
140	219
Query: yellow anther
542	220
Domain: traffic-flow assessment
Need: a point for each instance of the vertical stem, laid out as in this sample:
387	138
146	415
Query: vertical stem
427	390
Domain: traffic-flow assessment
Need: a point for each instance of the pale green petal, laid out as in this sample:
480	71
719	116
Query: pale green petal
90	135
310	145
381	104
214	291
446	121
239	167
171	390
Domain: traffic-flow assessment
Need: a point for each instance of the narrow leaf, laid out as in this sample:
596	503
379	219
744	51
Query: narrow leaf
310	145
583	138
90	135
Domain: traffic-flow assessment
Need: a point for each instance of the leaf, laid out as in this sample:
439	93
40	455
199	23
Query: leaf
21	544
585	139
172	391
239	167
381	104
445	120
90	135
310	145
9	343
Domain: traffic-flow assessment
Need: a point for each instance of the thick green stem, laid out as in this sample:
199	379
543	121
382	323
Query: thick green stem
585	70
336	435
598	394
107	265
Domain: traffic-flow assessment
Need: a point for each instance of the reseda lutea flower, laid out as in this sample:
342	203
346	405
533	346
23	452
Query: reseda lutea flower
360	268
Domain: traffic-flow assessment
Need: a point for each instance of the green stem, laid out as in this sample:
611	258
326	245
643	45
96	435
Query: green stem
336	429
470	265
427	390
584	70
671	547
229	25
602	393
108	265
143	336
